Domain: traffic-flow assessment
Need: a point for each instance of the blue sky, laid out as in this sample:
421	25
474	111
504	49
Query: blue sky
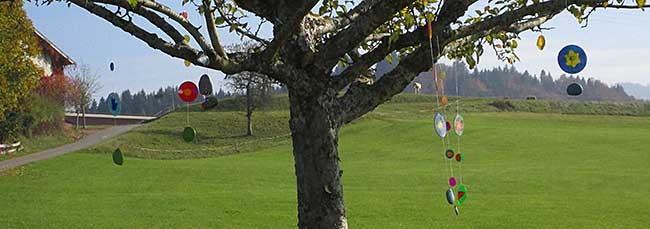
614	41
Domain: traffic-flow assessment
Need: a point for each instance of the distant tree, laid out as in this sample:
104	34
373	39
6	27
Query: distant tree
93	107
256	87
127	102
221	94
18	74
85	85
508	82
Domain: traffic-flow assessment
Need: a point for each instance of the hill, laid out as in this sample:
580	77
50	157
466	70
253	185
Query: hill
521	168
639	91
221	130
509	82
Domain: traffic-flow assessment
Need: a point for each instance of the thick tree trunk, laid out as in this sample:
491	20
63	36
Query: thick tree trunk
314	130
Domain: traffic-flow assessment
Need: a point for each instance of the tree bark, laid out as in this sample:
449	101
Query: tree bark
314	130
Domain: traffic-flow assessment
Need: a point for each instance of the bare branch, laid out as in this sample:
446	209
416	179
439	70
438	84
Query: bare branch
246	33
241	62
194	31
152	17
180	51
212	28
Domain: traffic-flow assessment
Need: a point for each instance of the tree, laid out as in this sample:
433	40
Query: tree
85	84
256	87
18	74
305	47
257	90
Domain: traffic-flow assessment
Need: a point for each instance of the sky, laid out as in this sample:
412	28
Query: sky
615	43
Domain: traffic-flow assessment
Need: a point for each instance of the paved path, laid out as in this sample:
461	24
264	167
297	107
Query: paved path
86	142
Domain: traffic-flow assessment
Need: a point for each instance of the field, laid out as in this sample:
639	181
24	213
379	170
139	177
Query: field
50	139
522	170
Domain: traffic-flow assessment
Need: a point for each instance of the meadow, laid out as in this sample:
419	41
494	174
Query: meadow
522	169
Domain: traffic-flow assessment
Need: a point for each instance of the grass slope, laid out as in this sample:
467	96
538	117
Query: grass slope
414	102
51	139
221	131
218	134
522	170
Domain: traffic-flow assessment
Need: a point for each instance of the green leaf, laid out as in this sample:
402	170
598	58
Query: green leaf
233	27
219	21
342	63
134	3
389	58
323	10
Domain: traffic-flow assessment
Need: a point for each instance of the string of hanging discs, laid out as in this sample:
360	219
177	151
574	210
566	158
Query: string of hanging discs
456	190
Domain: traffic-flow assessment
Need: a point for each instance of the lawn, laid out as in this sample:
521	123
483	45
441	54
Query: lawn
51	139
521	169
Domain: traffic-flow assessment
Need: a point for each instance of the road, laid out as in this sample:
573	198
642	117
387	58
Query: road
86	142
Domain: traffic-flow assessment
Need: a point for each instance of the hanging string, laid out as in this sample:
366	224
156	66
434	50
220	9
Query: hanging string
433	60
460	168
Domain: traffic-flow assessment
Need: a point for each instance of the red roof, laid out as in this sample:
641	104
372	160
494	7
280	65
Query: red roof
54	51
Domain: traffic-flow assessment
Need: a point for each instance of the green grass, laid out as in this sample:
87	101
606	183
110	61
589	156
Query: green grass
51	139
39	143
218	134
522	170
414	102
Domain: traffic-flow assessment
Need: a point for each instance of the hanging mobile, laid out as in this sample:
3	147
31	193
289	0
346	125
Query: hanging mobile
115	107
188	93
572	59
456	192
118	159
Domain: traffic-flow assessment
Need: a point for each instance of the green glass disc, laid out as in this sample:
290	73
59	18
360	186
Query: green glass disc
118	159
189	134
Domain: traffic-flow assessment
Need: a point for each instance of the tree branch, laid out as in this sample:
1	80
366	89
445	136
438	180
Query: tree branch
371	16
262	8
548	9
363	98
194	32
152	17
212	28
240	30
338	23
180	51
450	12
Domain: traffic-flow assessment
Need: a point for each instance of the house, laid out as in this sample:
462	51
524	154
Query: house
51	59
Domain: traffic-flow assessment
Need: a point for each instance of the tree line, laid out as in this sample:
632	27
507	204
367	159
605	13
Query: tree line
509	82
156	102
497	82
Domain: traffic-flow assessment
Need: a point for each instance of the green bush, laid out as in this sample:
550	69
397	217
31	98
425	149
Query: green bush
40	115
10	127
44	115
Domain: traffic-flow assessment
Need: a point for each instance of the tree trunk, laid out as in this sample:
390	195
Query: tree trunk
249	110
249	117
83	115
77	126
314	130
